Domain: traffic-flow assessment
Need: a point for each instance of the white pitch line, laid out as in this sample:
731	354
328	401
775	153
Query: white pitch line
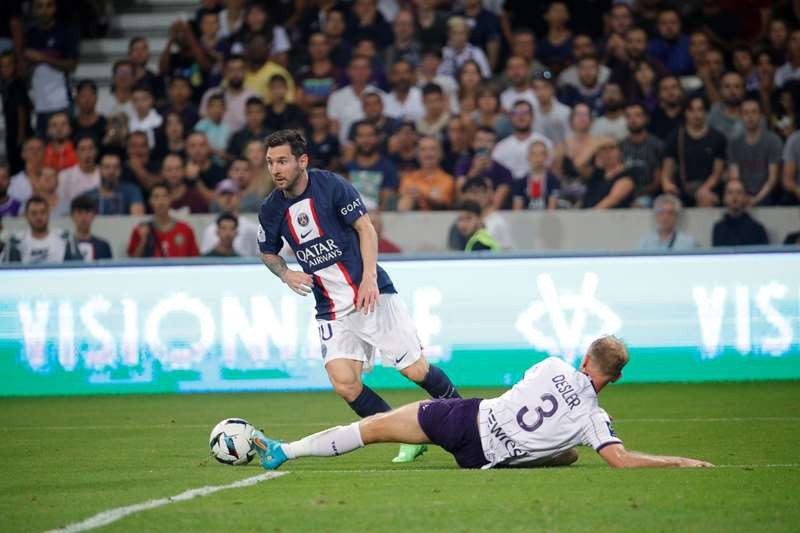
333	423
112	515
455	469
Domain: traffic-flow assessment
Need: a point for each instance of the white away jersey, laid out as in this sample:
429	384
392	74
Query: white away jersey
552	409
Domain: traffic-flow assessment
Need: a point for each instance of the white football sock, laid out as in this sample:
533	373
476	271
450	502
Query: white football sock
333	441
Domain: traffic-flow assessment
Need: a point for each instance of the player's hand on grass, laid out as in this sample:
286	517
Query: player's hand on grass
694	463
367	295
299	282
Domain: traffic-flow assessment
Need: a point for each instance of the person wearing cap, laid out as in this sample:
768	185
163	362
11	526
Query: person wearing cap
470	226
245	242
611	184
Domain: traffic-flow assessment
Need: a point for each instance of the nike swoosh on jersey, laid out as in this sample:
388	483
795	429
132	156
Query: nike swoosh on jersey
306	234
400	358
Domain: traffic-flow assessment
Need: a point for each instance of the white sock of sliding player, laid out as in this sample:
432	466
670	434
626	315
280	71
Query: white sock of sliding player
333	441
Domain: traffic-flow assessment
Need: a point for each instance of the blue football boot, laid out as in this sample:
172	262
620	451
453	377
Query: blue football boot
269	451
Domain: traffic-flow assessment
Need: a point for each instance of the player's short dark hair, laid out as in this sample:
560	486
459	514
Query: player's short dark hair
609	355
86	83
475	183
431	88
297	143
254	100
84	202
470	207
227	216
35	200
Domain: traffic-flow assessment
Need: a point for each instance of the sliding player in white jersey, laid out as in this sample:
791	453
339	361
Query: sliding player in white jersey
539	422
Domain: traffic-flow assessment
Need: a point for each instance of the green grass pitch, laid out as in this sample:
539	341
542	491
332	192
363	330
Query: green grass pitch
66	459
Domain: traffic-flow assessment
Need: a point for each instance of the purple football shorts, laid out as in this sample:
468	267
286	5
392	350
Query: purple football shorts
452	423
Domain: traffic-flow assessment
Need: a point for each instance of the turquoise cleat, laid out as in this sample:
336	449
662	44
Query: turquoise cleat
269	451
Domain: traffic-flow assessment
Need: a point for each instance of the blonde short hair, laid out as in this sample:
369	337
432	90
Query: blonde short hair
609	355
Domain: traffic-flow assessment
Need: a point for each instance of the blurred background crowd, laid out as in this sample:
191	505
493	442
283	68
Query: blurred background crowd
473	106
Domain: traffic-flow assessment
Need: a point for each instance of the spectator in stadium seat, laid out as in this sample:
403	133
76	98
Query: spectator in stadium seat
777	39
77	179
11	32
225	229
754	157
791	170
405	46
367	21
459	50
436	115
523	44
180	101
33	156
430	187
620	21
344	105
162	236
429	73
341	49
366	47
320	77
643	154
744	63
512	151
82	210
582	46
189	61
671	46
115	197
87	122
45	186
518	74
17	109
324	150
40	243
612	122
710	72
540	189
385	246
280	114
737	227
403	148
120	99
372	174
183	190
456	143
611	184
201	167
555	48
254	128
59	152
233	90
52	51
469	81
726	115
694	158
480	191
140	169
246	241
470	225
216	131
404	102
170	137
431	24
139	56
485	29
791	69
573	162
207	22
145	118
624	69
262	183
668	114
9	207
589	89
552	117
667	211
260	69
258	20
372	108
479	164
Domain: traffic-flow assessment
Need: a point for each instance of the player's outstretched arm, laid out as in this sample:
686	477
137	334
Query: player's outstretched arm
368	243
299	282
618	457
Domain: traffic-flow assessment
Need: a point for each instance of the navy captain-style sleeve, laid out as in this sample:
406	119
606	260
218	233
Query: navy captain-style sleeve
269	237
346	200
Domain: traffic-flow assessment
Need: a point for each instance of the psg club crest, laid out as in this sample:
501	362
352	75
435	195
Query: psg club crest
302	219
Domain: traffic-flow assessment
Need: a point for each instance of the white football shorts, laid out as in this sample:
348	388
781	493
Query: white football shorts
388	331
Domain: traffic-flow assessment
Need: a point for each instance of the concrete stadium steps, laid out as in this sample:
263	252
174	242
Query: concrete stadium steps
101	72
147	24
111	49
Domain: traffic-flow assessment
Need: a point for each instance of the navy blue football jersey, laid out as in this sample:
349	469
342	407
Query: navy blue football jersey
318	227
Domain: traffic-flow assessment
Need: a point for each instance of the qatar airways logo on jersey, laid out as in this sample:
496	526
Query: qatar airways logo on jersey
575	319
319	253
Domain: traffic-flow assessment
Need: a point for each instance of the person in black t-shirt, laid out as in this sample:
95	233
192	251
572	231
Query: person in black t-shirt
200	165
83	210
611	184
737	227
87	122
281	114
16	110
667	116
323	146
694	158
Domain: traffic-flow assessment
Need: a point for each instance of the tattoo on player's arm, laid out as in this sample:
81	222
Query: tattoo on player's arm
275	264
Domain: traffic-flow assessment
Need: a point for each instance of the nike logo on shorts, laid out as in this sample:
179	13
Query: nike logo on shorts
396	361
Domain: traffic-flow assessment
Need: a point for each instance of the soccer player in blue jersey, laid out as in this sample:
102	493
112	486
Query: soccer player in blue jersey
323	218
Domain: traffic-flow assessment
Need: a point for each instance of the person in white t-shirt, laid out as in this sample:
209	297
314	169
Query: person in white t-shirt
539	422
85	176
517	71
40	243
344	105
33	154
512	152
227	201
144	118
405	100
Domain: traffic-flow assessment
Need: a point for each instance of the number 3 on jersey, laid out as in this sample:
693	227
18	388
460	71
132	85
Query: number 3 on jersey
542	414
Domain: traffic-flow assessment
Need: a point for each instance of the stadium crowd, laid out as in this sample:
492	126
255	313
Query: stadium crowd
467	105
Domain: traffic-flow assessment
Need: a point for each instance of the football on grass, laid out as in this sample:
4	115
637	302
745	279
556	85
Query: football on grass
231	442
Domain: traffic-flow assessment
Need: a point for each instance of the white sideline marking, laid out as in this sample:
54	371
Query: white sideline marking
455	469
112	515
333	423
